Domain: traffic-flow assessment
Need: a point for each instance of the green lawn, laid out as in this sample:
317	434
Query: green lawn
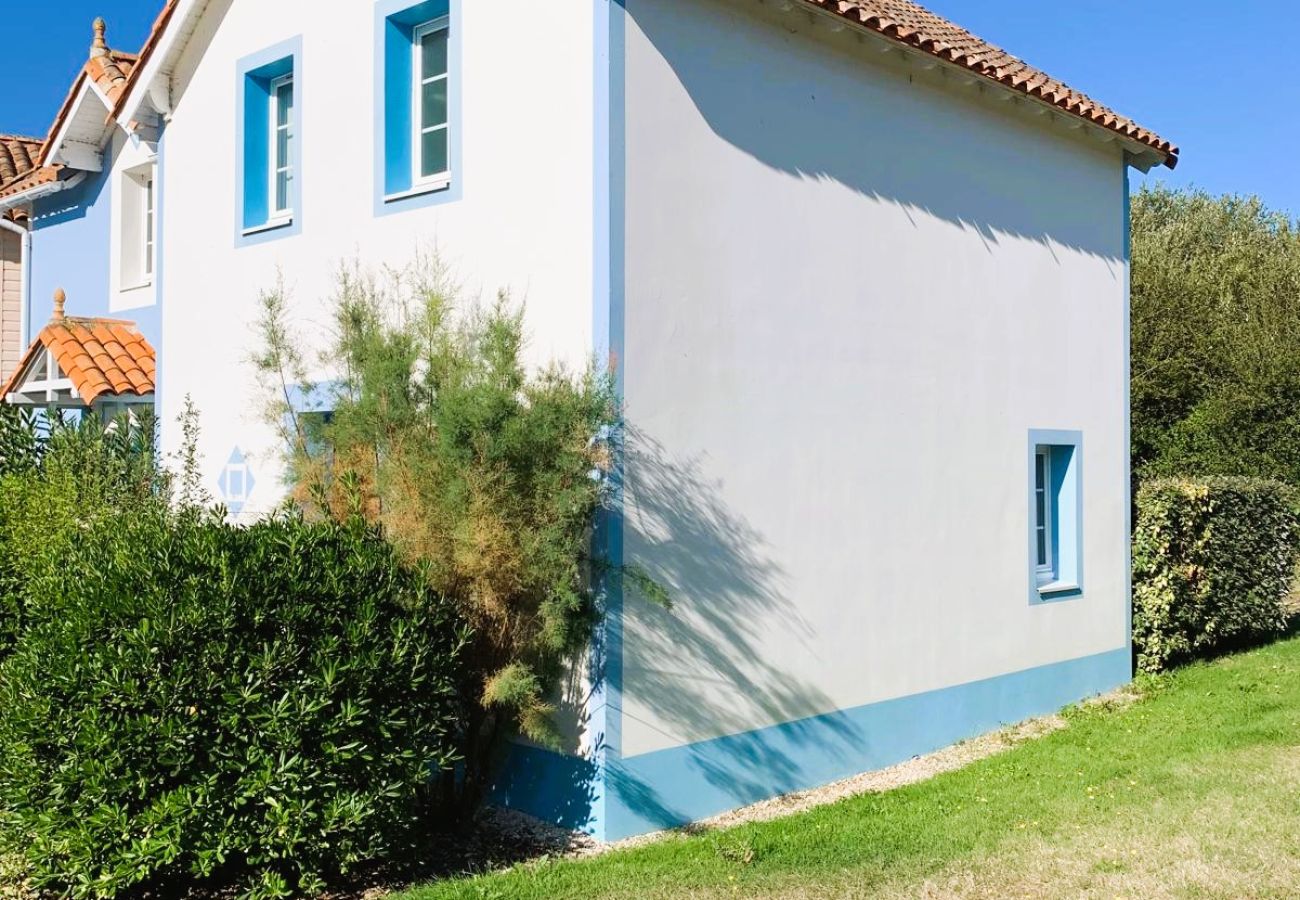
1193	791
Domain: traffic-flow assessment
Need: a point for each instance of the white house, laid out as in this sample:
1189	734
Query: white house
865	280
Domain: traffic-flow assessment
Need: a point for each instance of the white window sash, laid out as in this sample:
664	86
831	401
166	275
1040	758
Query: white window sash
147	217
418	129
1046	571
276	166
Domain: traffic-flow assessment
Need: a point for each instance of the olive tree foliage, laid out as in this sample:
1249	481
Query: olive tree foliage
485	473
1215	336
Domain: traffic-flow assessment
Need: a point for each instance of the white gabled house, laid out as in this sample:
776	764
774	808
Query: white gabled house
863	275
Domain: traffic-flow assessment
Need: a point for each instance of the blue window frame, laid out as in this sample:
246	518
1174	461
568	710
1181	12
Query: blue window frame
269	126
1055	515
417	103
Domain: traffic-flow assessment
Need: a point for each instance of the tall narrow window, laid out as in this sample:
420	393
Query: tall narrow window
1043	514
135	238
148	226
281	151
430	138
1055	514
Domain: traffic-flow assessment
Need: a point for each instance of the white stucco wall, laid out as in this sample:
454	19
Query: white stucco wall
524	222
853	287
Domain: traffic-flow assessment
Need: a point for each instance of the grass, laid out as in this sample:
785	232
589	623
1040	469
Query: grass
1193	791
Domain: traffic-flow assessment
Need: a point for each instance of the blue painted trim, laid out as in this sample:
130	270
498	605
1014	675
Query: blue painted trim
672	787
606	701
1126	405
1066	448
253	75
394	20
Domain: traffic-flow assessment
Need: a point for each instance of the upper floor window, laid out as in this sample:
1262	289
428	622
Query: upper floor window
417	95
136	228
269	147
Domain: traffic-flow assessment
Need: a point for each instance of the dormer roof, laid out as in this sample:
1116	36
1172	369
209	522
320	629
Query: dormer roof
86	359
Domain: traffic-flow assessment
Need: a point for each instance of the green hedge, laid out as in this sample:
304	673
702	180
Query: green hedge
190	701
1213	561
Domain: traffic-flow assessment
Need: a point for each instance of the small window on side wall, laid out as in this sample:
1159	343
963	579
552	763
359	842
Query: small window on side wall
1055	515
417	96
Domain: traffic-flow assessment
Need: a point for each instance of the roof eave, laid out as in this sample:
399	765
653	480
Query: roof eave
76	143
167	39
1142	154
36	192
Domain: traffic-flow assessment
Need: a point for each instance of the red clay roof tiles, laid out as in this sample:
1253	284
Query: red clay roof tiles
911	24
99	356
18	156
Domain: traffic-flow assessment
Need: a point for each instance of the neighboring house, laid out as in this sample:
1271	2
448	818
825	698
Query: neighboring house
18	157
87	198
865	281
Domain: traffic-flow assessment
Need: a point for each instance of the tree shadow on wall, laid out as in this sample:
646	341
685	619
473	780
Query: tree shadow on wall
707	667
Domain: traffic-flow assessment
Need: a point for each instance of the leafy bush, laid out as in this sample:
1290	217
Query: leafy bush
1215	336
1213	561
482	470
190	700
57	477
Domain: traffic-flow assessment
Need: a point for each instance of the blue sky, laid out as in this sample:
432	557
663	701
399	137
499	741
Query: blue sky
46	45
1228	96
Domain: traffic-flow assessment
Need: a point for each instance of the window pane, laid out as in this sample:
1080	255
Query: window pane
433	54
433	152
282	139
1040	466
283	103
434	103
1041	514
282	180
1042	547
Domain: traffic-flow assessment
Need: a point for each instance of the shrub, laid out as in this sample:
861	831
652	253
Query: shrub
1213	561
56	478
482	470
190	700
1216	336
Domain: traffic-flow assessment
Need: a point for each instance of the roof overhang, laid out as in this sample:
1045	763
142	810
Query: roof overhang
1142	149
147	96
78	142
24	198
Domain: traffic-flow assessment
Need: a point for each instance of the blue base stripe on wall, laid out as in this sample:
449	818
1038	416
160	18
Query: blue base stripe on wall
678	785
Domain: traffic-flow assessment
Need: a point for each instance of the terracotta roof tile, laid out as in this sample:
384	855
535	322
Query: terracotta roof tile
909	23
99	356
30	180
18	156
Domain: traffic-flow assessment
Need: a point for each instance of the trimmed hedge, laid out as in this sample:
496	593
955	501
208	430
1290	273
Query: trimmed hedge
1213	562
192	702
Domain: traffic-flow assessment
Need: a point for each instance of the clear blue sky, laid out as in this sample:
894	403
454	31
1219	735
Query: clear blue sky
1227	94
